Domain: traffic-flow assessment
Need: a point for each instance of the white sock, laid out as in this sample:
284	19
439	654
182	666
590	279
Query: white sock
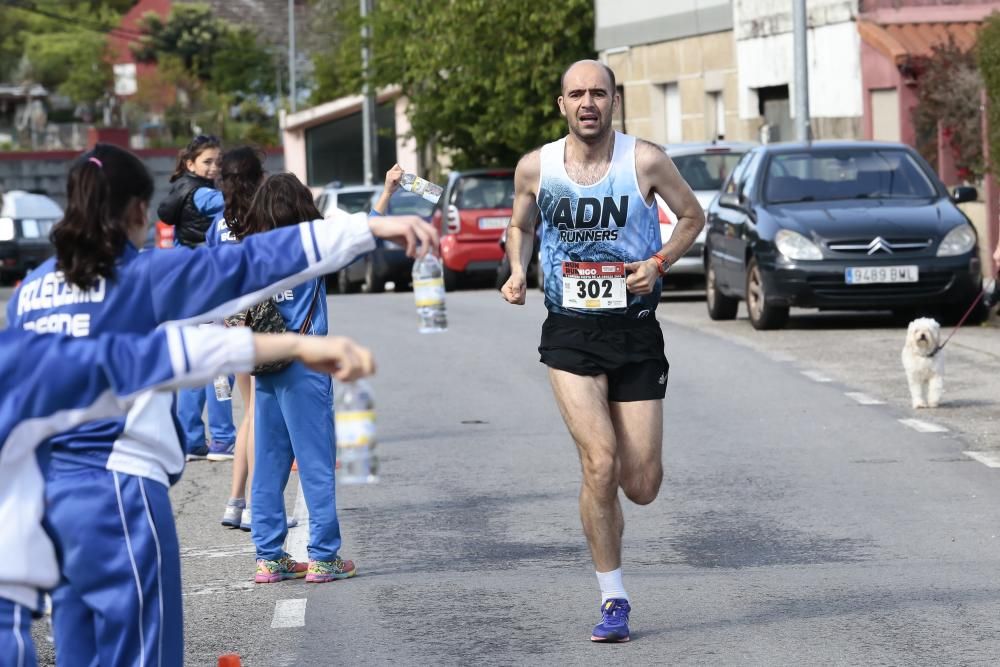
611	585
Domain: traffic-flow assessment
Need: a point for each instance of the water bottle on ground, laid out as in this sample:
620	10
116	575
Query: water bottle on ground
354	415
428	291
223	391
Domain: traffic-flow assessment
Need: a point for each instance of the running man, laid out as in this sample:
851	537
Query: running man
602	259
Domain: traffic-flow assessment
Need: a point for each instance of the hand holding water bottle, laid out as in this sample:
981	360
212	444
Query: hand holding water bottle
409	231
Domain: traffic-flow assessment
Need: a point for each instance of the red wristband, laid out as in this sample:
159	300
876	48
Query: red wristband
662	264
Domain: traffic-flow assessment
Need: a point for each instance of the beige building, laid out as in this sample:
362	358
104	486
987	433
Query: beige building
676	69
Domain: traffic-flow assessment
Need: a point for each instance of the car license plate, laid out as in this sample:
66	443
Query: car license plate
594	285
493	223
866	275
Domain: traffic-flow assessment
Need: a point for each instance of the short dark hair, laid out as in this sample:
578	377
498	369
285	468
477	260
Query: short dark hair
280	201
607	70
240	173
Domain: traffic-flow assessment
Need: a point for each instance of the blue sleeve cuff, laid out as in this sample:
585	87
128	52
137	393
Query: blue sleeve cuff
374	214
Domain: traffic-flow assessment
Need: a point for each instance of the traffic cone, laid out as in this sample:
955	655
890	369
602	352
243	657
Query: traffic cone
229	660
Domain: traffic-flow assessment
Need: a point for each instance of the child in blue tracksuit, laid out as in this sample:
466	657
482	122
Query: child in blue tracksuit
97	378
192	206
122	600
293	418
101	378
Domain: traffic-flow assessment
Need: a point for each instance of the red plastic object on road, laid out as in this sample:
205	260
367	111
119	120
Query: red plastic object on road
229	660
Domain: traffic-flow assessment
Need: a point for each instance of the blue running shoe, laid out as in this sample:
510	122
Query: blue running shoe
614	626
218	451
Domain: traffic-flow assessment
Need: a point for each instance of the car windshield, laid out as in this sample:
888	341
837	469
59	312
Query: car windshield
706	171
353	202
851	174
36	229
486	191
407	203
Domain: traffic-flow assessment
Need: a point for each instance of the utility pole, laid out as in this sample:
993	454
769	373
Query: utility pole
369	127
292	93
803	131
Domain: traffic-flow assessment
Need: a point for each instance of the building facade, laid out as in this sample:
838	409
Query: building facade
676	68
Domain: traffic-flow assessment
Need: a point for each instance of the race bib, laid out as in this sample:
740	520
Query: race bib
594	285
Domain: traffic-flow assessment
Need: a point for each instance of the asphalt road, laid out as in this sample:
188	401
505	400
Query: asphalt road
796	525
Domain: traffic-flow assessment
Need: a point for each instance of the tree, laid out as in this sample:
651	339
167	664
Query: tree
481	76
948	93
60	44
219	69
988	58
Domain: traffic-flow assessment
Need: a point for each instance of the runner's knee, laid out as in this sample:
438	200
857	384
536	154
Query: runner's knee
599	472
643	488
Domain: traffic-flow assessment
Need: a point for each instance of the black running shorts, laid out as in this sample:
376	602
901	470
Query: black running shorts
628	351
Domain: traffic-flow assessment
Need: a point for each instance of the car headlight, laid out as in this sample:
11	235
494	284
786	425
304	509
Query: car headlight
6	229
958	241
796	246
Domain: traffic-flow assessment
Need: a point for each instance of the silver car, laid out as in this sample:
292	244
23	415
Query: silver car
705	166
349	198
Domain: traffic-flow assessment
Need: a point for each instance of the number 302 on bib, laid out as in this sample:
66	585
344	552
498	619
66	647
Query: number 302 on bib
594	285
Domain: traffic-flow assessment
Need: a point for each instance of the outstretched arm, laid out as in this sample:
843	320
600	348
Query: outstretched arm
521	231
658	175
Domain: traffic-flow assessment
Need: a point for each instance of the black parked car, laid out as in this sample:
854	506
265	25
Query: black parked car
838	225
388	261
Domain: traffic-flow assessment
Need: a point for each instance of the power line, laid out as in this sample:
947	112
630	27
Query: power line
122	33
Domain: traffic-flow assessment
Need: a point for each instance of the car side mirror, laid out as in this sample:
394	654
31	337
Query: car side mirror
964	193
731	200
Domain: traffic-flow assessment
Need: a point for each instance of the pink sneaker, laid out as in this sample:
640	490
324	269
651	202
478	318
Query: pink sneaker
271	571
322	571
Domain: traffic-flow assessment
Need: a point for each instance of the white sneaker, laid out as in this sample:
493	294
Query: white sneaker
233	515
245	519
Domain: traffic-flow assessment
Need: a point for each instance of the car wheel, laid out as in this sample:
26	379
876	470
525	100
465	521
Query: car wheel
344	284
720	306
451	279
762	315
372	284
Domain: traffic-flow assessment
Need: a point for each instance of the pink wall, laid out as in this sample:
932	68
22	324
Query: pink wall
877	71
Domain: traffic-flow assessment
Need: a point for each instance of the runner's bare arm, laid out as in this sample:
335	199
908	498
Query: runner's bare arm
657	174
521	231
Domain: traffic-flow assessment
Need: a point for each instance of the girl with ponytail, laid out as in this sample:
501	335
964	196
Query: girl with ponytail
107	508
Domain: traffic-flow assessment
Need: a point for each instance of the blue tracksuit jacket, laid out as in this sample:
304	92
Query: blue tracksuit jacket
50	384
179	285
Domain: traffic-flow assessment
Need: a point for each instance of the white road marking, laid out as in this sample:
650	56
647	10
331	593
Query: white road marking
289	613
922	426
816	376
988	459
864	399
298	537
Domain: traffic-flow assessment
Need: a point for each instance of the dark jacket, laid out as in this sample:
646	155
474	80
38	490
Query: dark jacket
179	210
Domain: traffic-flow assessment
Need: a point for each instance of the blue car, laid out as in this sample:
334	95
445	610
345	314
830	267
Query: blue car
388	262
838	225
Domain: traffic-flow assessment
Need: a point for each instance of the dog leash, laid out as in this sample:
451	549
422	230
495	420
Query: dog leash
958	326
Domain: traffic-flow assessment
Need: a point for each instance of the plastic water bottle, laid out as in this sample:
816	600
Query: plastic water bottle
428	291
354	415
223	391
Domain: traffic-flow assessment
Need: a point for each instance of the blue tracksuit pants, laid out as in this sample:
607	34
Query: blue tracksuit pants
119	601
16	647
191	402
293	418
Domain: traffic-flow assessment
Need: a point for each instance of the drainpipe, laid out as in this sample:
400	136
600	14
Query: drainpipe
803	131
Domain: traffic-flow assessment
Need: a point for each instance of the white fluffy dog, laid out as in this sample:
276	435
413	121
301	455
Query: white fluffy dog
923	362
